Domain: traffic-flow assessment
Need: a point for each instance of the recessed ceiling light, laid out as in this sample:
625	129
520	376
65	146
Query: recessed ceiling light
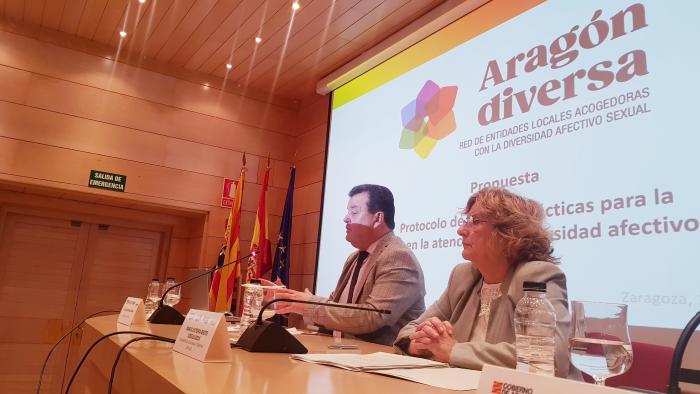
142	1
295	5
122	33
258	40
229	66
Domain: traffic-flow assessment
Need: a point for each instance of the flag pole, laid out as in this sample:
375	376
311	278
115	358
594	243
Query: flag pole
239	287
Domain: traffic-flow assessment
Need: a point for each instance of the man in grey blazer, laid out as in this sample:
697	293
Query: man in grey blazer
383	273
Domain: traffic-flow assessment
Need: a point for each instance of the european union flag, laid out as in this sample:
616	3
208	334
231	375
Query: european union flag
280	265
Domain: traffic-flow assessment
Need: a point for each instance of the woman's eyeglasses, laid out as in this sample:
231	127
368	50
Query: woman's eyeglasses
470	220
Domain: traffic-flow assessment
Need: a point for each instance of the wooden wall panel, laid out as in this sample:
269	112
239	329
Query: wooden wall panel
166	27
278	34
179	36
174	140
312	142
314	115
307	199
311	146
33	11
15	9
304	259
70	16
119	261
37	296
29	54
91	18
312	33
311	169
141	115
178	253
151	19
53	11
306	228
241	42
14	84
220	11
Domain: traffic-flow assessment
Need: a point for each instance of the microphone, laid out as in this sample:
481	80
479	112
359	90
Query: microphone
166	314
269	337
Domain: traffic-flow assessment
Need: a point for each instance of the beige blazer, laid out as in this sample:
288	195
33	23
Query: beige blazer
460	302
391	279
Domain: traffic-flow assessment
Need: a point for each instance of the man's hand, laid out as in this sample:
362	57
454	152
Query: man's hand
266	282
288	307
270	294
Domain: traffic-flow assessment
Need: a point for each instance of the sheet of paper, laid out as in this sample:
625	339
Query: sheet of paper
365	362
457	379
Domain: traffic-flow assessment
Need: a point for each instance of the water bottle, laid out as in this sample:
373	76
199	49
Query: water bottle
252	302
152	297
535	330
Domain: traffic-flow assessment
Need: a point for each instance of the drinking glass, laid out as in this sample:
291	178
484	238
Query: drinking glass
173	296
154	291
600	343
269	295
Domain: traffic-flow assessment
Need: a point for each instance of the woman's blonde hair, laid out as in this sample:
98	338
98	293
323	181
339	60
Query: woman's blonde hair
519	223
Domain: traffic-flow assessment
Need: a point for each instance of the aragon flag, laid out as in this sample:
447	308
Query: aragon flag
224	284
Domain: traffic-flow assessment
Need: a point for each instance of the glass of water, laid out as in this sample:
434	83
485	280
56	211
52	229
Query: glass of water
173	296
600	343
154	291
269	295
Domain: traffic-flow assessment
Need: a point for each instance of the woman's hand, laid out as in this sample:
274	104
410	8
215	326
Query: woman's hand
433	338
432	328
440	348
418	349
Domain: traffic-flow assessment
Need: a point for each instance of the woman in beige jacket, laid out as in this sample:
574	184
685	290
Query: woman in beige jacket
471	324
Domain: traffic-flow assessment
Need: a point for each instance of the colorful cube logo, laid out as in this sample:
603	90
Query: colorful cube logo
428	119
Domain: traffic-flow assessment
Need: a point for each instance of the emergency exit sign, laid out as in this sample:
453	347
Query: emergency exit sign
107	181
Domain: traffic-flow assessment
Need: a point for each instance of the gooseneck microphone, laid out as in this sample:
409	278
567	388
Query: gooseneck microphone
270	337
166	314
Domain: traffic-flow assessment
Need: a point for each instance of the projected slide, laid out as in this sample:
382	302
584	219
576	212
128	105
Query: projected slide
588	107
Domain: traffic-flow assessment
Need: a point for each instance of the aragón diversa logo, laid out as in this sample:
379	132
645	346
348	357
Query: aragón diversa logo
428	118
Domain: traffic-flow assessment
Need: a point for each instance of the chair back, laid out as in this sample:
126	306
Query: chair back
648	360
679	374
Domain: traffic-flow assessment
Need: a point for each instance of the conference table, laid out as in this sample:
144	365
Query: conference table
152	367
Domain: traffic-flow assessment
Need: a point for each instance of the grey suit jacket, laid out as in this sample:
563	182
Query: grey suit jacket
460	303
392	280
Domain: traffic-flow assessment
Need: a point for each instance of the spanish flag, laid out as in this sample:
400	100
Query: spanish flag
225	281
260	244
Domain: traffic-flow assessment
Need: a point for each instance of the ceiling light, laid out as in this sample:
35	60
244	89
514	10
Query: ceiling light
229	66
258	40
122	33
142	1
295	5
